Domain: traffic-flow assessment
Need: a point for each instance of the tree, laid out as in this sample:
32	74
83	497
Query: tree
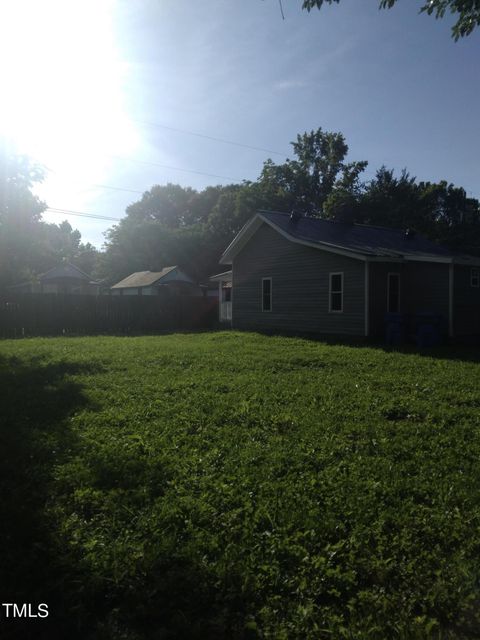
169	225
466	12
168	205
28	245
439	210
20	215
63	243
307	181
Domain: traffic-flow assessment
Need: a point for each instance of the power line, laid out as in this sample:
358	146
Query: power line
166	166
81	214
207	137
103	186
136	191
163	166
107	186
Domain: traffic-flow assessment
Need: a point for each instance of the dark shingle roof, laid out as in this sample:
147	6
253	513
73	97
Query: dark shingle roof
359	238
65	270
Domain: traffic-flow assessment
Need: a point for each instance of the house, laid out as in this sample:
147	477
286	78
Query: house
151	283
65	278
299	274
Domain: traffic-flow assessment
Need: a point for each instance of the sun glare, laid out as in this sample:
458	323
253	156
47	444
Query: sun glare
63	84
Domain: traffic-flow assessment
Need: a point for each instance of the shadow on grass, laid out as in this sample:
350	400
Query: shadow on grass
461	352
171	599
36	400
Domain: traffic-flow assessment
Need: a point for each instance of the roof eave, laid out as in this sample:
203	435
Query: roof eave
468	261
240	240
221	276
325	246
249	229
412	257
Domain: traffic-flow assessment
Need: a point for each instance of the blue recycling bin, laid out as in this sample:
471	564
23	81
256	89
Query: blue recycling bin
395	328
428	329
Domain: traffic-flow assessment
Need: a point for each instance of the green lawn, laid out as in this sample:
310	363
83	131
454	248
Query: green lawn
230	485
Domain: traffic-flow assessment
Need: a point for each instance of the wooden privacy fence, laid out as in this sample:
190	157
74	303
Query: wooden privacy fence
53	314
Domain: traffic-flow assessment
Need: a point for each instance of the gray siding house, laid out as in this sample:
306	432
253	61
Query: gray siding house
300	274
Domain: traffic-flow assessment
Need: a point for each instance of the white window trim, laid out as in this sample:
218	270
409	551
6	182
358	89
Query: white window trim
475	275
271	296
393	273
330	276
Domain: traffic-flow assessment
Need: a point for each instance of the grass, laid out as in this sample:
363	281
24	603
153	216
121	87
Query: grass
231	485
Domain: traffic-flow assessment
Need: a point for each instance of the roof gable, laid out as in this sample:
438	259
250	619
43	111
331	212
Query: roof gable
65	270
151	278
358	241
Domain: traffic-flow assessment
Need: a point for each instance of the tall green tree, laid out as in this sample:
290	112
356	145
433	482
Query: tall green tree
168	205
29	245
466	12
307	181
168	225
20	215
438	210
171	224
62	243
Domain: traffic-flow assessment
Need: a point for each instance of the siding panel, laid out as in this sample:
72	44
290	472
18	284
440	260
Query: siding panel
300	282
466	303
378	286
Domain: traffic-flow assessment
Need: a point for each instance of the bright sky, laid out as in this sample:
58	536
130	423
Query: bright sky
96	90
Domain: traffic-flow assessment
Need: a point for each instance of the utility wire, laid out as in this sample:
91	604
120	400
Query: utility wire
136	191
157	164
166	166
108	186
103	186
215	139
81	214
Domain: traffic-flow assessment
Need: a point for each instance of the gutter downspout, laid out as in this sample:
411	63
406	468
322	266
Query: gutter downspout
220	300
450	298
367	299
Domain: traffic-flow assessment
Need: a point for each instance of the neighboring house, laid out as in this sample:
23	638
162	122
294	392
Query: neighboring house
149	283
300	274
64	278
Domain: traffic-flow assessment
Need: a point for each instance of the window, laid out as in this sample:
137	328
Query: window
336	293
266	294
393	293
475	278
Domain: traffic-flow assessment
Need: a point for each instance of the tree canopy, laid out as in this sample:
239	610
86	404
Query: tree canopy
307	181
171	224
466	12
29	245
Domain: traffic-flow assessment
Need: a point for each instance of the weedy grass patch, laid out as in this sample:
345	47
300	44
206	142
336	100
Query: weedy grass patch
231	485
